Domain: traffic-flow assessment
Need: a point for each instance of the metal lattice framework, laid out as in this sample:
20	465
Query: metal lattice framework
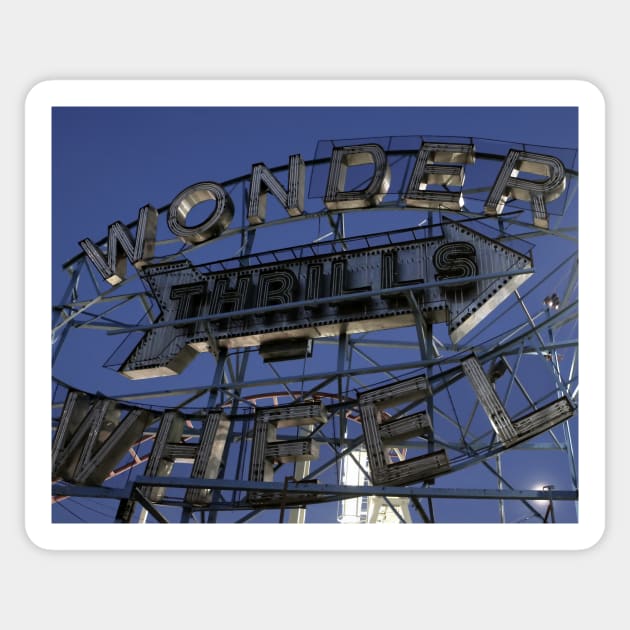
522	360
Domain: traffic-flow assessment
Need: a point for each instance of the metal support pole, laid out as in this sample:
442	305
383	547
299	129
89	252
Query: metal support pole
430	409
418	506
212	399
550	512
125	510
71	290
342	351
284	498
568	444
500	486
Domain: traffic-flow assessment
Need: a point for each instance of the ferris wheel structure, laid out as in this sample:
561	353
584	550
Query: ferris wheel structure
368	356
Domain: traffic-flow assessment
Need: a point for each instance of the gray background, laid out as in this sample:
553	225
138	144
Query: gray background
327	39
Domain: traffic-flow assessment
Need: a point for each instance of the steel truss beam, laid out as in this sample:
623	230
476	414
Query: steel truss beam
330	492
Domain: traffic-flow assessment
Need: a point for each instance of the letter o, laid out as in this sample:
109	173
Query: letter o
210	228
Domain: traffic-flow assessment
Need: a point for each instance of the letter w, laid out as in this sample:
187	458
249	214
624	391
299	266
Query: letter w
120	245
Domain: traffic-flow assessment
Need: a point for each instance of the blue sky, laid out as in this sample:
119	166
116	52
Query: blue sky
109	162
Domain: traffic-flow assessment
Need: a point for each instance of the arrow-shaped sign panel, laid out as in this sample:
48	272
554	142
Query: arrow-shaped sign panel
457	278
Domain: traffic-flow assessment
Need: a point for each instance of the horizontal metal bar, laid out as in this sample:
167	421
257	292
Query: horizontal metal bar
94	492
495	493
452	374
316	489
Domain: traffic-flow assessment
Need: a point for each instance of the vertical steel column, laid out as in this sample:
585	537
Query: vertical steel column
240	375
430	406
212	514
214	390
247	244
342	354
500	486
549	511
424	330
428	354
568	443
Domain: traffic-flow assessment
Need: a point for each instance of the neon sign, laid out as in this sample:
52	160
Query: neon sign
450	274
436	165
457	278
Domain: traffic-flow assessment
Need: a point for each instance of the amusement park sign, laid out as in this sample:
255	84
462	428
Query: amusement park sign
457	278
280	301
